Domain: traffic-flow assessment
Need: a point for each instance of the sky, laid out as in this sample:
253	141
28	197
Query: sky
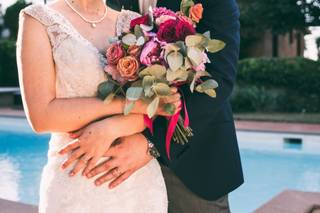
310	51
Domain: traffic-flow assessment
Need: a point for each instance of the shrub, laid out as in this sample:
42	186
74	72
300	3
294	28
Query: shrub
8	65
277	85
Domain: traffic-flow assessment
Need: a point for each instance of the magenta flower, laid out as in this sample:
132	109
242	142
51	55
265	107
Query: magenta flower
151	53
160	11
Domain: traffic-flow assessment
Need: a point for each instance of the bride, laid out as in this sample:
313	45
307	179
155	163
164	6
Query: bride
61	59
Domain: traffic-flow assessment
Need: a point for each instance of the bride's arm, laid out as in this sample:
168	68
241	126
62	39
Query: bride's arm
45	112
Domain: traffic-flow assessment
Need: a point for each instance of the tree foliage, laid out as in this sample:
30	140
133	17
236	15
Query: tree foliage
11	17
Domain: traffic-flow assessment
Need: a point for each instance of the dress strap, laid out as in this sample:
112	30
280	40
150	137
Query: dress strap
40	13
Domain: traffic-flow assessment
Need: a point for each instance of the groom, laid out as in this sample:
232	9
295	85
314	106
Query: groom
202	173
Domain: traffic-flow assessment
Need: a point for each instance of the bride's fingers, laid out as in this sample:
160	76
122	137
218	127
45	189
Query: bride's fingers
74	156
69	147
105	166
173	90
76	134
120	179
81	164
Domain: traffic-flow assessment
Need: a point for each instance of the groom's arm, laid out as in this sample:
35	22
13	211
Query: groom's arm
221	18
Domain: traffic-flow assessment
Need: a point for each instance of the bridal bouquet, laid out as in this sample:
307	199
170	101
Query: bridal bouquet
160	50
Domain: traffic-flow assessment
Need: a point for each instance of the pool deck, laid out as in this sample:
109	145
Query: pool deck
7	206
256	126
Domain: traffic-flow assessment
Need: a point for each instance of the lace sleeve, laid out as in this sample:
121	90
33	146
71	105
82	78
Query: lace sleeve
123	21
50	20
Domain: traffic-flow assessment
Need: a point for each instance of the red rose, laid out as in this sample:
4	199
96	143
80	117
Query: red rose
183	29
167	31
140	20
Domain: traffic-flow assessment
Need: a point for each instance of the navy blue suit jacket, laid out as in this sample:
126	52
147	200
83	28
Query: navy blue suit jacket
209	165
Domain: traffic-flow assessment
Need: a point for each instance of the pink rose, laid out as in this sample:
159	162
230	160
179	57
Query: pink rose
151	53
114	53
160	11
114	73
128	68
167	31
183	29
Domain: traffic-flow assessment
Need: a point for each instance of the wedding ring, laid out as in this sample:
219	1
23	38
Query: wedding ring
84	159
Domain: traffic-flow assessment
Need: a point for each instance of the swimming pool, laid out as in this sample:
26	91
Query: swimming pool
270	166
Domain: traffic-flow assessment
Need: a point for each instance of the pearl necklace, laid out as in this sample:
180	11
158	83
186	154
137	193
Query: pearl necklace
92	23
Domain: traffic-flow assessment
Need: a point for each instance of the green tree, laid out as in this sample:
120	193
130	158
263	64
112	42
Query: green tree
318	47
11	17
278	16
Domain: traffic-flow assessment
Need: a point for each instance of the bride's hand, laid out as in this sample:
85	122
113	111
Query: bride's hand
88	146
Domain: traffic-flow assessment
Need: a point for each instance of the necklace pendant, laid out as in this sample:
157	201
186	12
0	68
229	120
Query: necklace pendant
93	25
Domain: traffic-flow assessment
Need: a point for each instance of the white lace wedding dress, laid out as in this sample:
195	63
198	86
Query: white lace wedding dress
79	69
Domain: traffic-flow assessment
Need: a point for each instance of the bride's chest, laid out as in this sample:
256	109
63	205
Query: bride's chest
79	67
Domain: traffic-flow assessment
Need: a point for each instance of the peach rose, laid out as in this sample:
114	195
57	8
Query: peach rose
128	68
134	50
114	53
195	12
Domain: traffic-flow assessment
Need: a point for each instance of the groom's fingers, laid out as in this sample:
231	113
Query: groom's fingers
120	179
105	167
112	174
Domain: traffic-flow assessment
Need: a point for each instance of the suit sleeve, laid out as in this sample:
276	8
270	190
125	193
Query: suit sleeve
221	18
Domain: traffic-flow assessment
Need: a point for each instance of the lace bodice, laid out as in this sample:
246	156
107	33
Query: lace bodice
78	63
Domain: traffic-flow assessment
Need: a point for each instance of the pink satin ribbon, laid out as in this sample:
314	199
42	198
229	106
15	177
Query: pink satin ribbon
173	121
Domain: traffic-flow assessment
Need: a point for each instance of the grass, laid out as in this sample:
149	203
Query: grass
310	118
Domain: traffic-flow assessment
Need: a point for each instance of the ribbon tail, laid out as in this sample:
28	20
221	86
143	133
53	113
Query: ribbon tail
149	123
171	128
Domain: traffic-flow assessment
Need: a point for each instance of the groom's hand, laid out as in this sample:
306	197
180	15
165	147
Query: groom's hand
126	157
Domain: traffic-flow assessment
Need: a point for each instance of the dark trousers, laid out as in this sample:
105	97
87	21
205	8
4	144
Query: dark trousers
182	200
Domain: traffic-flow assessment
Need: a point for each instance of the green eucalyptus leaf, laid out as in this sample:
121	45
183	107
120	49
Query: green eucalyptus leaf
178	75
128	107
195	55
105	88
158	71
175	60
109	98
141	40
203	74
161	89
187	63
214	45
185	6
134	93
207	34
207	85
169	108
211	92
193	83
138	31
147	84
129	39
153	107
194	40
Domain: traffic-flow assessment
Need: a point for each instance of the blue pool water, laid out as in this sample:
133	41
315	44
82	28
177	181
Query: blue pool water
267	172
